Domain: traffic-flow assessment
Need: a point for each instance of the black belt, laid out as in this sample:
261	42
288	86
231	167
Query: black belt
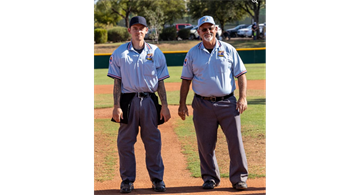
138	94
142	94
215	99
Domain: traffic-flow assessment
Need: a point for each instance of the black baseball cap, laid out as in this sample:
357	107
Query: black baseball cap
137	20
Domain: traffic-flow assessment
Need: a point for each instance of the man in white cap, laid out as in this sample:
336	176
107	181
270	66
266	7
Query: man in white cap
212	65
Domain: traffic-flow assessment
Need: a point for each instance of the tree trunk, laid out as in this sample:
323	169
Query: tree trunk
256	18
222	24
127	19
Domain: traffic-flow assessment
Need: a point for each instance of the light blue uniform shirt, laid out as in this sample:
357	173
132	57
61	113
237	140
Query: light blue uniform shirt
212	74
138	72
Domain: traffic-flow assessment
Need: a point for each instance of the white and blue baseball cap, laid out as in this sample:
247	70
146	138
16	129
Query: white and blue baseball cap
206	19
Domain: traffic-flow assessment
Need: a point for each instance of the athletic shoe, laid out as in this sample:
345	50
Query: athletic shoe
158	185
210	184
126	186
240	186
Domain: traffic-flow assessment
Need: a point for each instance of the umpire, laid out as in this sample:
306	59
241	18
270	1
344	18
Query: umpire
139	70
212	66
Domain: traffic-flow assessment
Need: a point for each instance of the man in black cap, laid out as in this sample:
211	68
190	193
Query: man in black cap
139	70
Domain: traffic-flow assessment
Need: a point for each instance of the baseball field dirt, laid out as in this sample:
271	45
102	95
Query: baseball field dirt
177	178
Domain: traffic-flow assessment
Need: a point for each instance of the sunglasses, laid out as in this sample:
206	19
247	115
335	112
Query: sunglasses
206	29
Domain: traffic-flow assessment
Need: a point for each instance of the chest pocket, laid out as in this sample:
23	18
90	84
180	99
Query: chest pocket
223	65
149	68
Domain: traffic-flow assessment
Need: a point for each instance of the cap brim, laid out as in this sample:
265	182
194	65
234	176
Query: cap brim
206	23
138	23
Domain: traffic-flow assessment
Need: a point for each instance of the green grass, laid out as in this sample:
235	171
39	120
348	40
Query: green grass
101	78
106	156
103	101
186	132
175	74
255	72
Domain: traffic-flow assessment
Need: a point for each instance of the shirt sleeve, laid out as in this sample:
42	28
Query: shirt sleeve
114	67
187	73
238	65
161	67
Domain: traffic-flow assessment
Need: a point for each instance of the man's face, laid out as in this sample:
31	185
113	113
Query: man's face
207	31
138	32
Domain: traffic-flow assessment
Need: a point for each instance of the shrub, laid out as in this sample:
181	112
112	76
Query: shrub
168	34
184	33
100	35
118	34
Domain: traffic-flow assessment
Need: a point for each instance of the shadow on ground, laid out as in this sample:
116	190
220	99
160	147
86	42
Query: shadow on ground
179	190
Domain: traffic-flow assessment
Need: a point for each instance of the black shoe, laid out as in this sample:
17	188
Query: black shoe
158	185
126	186
210	184
240	186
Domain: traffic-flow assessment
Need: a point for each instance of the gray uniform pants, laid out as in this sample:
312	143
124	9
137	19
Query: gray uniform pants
142	113
207	116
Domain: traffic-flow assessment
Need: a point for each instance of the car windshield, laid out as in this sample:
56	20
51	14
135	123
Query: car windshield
241	25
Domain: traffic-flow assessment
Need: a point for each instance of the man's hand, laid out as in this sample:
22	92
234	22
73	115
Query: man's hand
184	89
117	113
183	111
241	105
165	113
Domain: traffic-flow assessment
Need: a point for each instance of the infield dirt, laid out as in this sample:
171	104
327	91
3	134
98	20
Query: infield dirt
177	178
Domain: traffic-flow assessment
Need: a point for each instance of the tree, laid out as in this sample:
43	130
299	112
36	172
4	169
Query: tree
173	10
223	11
124	8
253	9
155	20
112	11
103	13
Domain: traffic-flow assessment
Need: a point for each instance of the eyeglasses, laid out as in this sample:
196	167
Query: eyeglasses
206	29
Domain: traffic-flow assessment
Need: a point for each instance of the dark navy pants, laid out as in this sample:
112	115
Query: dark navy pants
207	117
142	113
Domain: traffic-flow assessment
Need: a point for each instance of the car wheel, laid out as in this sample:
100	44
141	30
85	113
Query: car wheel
192	37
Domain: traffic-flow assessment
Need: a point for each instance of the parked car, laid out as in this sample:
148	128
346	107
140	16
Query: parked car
233	31
181	26
219	32
193	33
247	32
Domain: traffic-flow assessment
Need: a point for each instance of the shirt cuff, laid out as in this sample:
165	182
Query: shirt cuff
186	78
165	77
113	76
241	73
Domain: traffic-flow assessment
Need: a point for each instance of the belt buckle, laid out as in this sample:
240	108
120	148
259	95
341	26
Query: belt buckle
142	94
213	99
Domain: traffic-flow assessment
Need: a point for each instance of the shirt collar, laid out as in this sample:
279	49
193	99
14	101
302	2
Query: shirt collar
146	48
217	45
